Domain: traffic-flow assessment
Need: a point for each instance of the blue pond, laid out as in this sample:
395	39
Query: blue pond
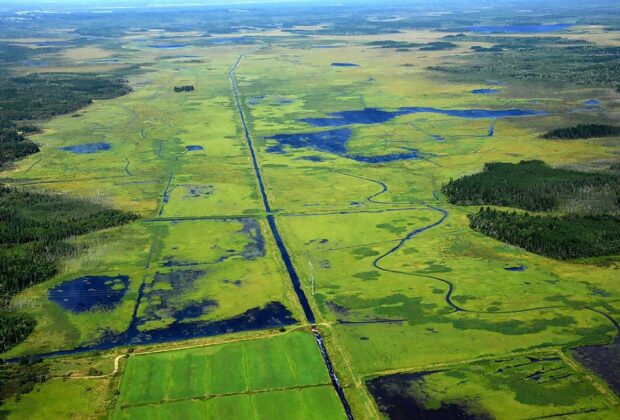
345	65
231	40
484	91
272	315
168	46
87	148
437	137
520	29
88	292
517	268
193	148
377	116
592	102
332	141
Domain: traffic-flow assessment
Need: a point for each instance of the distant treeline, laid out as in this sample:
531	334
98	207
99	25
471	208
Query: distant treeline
438	46
529	185
561	237
33	230
583	131
186	88
402	45
40	96
526	58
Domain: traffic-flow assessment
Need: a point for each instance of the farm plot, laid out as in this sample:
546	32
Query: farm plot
238	378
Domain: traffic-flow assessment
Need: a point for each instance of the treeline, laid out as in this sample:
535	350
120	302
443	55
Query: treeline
402	45
36	97
40	96
186	88
587	65
15	328
438	46
33	230
530	185
18	379
33	227
583	131
13	144
561	237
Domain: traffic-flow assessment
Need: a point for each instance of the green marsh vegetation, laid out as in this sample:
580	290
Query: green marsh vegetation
34	226
395	286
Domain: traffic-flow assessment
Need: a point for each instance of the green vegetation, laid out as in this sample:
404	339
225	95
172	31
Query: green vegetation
583	131
561	237
17	379
535	186
268	372
532	185
588	65
438	46
186	88
13	144
14	329
33	228
40	96
539	385
396	278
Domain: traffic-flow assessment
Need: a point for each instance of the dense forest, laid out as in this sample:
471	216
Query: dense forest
583	131
39	96
560	237
13	144
535	186
525	59
33	229
532	185
185	88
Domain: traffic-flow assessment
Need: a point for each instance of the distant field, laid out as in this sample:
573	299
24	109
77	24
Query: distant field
284	374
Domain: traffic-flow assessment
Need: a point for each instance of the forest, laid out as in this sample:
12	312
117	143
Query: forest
583	131
560	237
185	88
532	185
33	230
535	186
580	64
40	96
13	144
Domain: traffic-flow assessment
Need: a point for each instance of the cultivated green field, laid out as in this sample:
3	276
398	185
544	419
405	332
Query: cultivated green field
257	378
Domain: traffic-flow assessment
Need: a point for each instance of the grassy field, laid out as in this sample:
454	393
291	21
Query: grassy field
397	280
260	378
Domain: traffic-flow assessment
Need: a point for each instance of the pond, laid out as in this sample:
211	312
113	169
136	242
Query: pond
377	116
87	148
90	292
